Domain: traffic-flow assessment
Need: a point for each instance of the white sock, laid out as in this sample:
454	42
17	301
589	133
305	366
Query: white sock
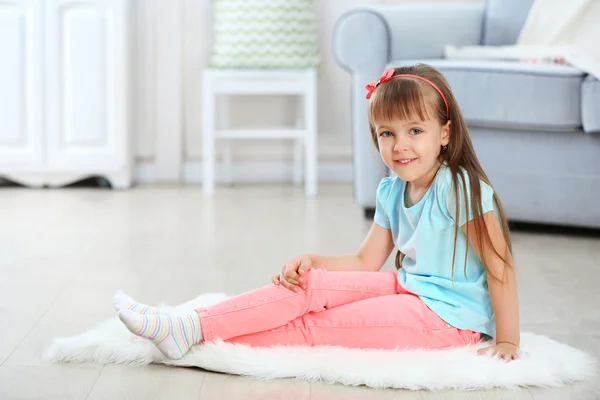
172	333
121	301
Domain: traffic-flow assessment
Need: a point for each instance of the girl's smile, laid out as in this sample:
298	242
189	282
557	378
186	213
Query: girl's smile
404	161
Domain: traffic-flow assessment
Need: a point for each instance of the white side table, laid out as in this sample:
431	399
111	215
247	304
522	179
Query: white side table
261	82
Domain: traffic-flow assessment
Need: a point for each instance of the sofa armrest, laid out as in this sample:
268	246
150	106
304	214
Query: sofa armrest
361	39
361	46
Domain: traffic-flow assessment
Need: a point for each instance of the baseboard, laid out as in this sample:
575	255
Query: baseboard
145	172
329	172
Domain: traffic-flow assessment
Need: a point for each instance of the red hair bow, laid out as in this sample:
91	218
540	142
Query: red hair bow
387	75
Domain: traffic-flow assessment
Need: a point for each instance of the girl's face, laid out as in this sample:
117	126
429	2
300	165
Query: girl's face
411	148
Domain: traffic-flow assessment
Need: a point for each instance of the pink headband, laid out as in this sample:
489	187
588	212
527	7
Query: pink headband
389	74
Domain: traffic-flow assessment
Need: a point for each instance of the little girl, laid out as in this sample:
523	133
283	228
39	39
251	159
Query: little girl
455	282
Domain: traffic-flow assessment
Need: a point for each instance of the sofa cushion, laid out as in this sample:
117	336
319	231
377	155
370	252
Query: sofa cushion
503	21
514	95
590	104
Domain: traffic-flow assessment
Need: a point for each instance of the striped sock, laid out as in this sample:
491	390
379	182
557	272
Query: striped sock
121	301
173	333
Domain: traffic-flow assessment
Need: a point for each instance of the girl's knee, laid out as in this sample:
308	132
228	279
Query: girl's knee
312	276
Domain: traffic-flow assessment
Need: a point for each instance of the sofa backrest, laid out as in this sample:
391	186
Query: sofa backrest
503	21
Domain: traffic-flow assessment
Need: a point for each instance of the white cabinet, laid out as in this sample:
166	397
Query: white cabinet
64	91
21	87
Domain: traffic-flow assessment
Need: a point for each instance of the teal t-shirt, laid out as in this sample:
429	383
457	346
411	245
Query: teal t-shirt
424	232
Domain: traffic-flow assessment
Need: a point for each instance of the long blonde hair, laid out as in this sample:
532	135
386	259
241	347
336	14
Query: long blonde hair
403	98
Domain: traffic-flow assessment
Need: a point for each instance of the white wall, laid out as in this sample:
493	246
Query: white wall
172	43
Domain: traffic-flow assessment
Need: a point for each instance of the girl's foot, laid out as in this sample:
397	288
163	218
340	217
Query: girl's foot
121	301
172	333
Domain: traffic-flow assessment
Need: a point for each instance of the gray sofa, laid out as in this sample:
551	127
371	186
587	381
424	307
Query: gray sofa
535	127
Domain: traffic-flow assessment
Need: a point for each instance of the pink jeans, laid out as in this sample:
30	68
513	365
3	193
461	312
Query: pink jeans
349	309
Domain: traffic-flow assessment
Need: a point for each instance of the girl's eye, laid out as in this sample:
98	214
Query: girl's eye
415	131
386	134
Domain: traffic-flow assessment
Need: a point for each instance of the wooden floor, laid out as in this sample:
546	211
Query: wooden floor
65	252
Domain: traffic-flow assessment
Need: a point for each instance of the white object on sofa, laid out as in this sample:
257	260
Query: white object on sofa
553	30
64	91
262	82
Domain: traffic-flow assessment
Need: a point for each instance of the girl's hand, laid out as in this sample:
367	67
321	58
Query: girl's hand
506	351
291	275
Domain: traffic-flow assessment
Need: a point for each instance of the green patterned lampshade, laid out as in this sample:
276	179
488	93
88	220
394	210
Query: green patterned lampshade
264	34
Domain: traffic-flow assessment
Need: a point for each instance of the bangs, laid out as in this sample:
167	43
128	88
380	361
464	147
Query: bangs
402	99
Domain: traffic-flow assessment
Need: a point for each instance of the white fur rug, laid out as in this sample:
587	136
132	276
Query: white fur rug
545	362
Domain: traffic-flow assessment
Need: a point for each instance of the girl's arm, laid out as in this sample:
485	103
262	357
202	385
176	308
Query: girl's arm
372	254
501	281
